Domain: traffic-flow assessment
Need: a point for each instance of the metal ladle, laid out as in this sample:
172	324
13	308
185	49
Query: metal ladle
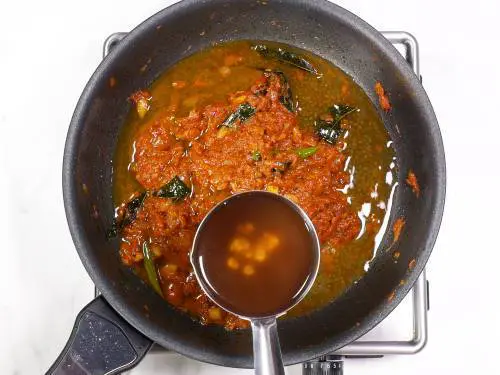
266	346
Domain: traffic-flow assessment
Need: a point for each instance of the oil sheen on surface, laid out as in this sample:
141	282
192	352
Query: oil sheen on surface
256	254
344	188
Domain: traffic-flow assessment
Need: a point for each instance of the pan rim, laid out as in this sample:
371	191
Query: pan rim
147	327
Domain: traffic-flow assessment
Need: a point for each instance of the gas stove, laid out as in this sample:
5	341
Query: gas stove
404	331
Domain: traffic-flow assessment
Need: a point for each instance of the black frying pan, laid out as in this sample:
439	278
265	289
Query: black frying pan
116	330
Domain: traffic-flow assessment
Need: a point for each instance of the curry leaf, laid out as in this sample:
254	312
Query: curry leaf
256	156
175	189
285	95
245	111
306	152
113	231
339	111
129	215
150	268
329	131
242	113
285	56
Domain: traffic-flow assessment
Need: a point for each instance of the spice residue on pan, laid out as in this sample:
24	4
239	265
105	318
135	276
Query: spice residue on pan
397	228
95	212
243	116
412	264
391	296
412	181
382	97
141	100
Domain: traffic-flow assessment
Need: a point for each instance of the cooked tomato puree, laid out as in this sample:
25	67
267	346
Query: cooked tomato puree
219	123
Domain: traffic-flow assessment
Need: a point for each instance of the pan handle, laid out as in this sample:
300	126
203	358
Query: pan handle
101	342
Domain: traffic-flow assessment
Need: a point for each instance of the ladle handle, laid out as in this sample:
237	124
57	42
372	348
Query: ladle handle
266	347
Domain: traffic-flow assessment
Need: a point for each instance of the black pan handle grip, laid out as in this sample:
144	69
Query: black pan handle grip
101	343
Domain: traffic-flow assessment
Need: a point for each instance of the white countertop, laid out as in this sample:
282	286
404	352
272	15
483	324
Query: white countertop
49	50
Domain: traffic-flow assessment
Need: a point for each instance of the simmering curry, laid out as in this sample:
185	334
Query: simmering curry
248	116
